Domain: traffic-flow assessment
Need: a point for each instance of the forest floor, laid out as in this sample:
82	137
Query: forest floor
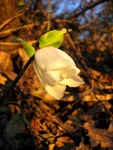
83	120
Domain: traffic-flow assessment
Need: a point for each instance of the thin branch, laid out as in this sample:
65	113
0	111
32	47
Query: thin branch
87	8
9	20
3	98
81	95
18	44
73	97
79	58
105	108
10	31
49	16
95	88
17	87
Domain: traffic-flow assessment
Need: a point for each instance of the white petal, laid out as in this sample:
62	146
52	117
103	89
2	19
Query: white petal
39	74
74	81
52	77
66	56
56	91
50	58
68	72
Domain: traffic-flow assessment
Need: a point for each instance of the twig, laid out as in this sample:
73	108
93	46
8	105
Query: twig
3	98
10	31
79	58
9	20
3	74
17	44
95	88
105	108
77	51
81	95
48	16
86	8
73	96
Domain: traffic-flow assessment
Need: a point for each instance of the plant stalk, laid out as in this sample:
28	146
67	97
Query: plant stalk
11	87
48	16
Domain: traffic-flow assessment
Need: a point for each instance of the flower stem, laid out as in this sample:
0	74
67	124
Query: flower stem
3	98
48	16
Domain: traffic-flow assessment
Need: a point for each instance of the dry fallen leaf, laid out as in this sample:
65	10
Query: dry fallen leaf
23	55
5	62
64	143
100	136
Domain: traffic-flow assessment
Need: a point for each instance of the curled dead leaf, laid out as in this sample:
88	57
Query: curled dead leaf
100	136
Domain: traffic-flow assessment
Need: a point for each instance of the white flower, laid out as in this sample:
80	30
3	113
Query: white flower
55	69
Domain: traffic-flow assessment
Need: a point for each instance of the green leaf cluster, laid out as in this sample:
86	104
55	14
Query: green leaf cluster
53	38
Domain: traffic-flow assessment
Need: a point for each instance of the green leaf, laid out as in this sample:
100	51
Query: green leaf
15	125
28	48
53	38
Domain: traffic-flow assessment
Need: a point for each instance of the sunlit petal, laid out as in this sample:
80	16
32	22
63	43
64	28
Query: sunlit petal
39	73
52	77
56	91
68	72
50	58
75	81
